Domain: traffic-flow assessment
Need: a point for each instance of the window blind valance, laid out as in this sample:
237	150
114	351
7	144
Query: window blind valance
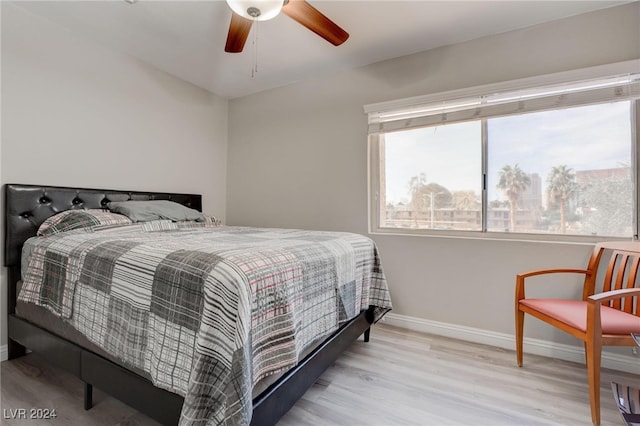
503	103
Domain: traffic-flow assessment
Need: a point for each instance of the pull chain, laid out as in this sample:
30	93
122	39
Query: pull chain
254	65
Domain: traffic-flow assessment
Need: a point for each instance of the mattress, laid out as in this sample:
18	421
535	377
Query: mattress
44	319
207	313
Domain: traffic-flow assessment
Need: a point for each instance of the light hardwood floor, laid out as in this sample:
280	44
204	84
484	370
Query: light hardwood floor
398	378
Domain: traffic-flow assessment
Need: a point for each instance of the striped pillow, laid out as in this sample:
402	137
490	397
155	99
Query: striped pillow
87	220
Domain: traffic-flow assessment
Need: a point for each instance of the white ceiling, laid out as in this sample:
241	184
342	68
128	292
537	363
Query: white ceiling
186	38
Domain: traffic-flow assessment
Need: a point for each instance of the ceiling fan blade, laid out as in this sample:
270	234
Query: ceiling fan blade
238	32
313	19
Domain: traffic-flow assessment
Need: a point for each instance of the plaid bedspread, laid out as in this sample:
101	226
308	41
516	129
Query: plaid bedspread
206	312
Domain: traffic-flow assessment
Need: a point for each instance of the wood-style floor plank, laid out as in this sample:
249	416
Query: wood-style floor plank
398	378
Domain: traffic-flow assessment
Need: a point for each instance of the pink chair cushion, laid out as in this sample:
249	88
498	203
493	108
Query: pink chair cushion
574	313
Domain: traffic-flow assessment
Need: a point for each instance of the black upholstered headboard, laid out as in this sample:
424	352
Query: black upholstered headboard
27	206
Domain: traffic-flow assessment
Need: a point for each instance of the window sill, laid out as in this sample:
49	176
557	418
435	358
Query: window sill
497	236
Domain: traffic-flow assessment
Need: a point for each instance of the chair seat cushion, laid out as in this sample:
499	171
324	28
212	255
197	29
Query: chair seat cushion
574	313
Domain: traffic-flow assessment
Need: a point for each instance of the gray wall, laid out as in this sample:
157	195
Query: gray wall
298	158
77	114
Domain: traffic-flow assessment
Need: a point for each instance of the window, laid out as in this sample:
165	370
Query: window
556	160
432	177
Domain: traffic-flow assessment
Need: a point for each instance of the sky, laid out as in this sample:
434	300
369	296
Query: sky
583	138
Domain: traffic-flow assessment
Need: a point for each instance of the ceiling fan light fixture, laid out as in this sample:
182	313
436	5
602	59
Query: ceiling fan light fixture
256	10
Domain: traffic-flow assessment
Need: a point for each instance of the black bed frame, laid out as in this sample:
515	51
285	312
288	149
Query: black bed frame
26	207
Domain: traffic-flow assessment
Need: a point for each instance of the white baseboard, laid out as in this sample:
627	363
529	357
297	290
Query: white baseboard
565	352
4	353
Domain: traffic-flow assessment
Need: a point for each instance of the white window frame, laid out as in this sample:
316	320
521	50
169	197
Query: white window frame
460	105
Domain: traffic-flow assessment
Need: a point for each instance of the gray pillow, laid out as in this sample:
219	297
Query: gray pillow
144	211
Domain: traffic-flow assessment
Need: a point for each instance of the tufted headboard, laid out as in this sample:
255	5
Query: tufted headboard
27	206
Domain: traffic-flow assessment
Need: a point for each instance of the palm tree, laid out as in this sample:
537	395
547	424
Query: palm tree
416	183
513	182
562	185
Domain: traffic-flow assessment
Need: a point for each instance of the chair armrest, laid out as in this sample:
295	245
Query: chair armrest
552	271
521	277
606	296
594	303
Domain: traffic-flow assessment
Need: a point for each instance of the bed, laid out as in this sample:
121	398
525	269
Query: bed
266	368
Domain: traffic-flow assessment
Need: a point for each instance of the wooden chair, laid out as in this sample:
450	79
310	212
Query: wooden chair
607	314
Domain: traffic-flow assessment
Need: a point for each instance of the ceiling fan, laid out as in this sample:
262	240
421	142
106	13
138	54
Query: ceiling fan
247	11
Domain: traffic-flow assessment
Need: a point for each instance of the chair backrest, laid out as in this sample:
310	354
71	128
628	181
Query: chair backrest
622	266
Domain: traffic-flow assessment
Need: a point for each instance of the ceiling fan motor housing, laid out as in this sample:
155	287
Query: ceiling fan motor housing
256	10
253	12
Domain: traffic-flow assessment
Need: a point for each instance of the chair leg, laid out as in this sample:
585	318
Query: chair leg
594	355
519	335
